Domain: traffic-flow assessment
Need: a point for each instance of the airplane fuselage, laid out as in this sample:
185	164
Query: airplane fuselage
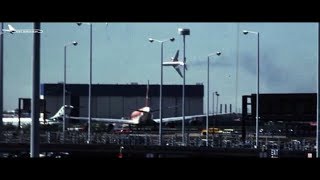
23	31
24	121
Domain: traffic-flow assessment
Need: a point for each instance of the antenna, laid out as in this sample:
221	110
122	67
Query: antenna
147	95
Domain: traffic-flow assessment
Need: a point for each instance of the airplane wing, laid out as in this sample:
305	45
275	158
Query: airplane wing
175	64
177	68
107	120
171	119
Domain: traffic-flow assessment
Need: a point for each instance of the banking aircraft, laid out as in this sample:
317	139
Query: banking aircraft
57	118
175	63
12	30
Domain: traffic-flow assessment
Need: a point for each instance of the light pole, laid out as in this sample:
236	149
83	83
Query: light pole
217	110
35	104
213	103
64	83
207	119
1	79
90	83
245	32
183	32
161	82
318	107
237	71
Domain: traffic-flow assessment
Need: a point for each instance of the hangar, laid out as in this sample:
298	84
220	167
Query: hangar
119	100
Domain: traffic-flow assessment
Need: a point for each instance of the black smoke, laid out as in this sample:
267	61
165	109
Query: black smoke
277	78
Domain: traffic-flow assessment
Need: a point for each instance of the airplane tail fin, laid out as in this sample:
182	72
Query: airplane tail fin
11	28
175	58
66	108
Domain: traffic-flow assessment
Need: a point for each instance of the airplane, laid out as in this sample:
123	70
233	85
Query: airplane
140	116
12	30
175	63
55	119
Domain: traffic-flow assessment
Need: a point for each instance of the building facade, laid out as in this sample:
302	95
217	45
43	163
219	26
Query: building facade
119	100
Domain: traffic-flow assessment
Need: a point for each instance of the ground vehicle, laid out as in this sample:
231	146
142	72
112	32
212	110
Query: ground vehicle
211	131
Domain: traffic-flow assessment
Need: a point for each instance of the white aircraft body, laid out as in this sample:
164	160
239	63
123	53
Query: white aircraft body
12	30
57	118
175	63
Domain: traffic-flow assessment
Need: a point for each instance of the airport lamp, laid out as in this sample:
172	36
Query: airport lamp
184	32
1	80
90	83
74	43
245	32
161	83
207	118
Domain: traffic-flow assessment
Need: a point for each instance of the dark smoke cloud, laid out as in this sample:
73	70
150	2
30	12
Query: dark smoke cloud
277	78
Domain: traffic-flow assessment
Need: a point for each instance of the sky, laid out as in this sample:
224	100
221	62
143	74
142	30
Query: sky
122	54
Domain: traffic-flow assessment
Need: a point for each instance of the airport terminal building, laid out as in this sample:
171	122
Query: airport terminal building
119	100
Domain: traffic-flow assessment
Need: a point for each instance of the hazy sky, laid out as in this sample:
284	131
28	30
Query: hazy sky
123	54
